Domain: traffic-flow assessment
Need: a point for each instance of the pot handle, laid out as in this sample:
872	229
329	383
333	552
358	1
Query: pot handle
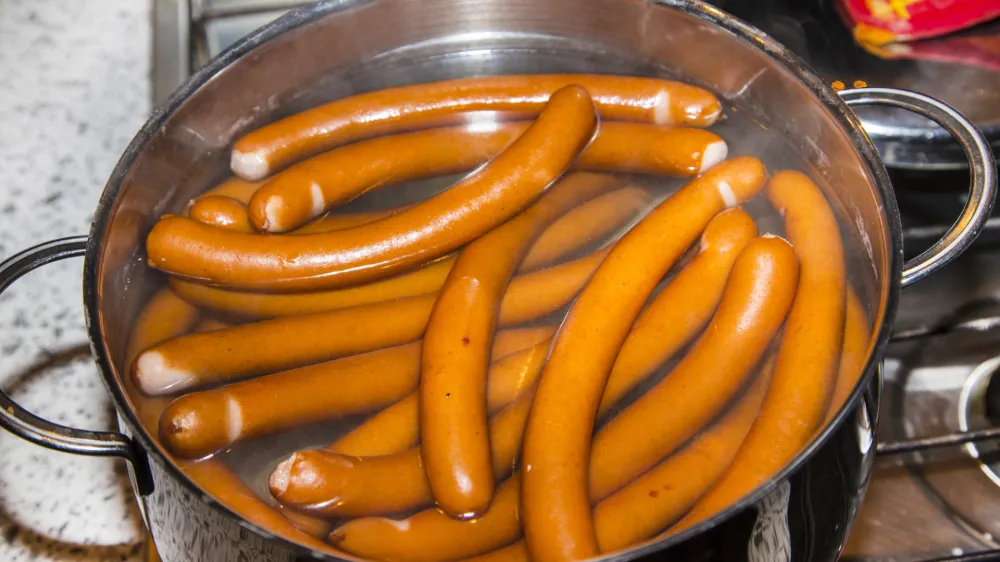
982	169
23	423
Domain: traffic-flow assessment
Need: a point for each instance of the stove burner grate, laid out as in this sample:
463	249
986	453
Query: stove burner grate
976	324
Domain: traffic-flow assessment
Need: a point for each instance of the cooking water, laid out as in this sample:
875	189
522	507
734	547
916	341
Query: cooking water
254	460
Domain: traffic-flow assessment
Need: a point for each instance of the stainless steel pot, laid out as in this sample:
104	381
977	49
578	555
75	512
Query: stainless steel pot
339	47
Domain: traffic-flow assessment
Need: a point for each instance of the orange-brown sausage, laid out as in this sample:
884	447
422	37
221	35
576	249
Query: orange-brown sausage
624	98
307	190
456	349
393	430
654	150
207	324
227	212
857	332
165	316
661	496
514	340
230	213
544	291
507	379
632	514
554	286
312	526
517	552
583	226
512	375
343	221
337	485
328	484
806	366
507	433
221	212
241	351
676	315
351	475
651	502
758	294
329	180
248	304
273	345
431	535
626	517
589	224
558	524
204	423
221	483
397	428
235	188
430	229
715	447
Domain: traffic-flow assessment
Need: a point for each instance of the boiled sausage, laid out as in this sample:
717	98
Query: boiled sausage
558	524
618	98
806	365
758	294
423	232
306	190
456	348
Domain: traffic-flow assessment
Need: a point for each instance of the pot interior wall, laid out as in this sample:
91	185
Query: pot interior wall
341	48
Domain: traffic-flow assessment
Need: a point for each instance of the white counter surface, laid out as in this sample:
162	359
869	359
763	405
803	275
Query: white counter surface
74	87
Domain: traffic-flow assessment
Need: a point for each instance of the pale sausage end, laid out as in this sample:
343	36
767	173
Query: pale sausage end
155	377
249	165
713	154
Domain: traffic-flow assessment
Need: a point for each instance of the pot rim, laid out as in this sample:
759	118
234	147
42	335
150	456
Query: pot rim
844	116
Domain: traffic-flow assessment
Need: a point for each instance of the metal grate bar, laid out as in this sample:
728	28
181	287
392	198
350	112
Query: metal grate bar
983	324
937	442
986	556
209	13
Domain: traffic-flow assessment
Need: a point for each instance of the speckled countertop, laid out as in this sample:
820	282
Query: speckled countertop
73	89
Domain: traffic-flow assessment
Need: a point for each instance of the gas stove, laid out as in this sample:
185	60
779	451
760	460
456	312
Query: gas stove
935	493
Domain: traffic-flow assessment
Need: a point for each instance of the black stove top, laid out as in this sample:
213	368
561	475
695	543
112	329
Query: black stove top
814	30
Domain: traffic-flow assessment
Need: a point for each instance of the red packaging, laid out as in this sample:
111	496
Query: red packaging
982	51
877	22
